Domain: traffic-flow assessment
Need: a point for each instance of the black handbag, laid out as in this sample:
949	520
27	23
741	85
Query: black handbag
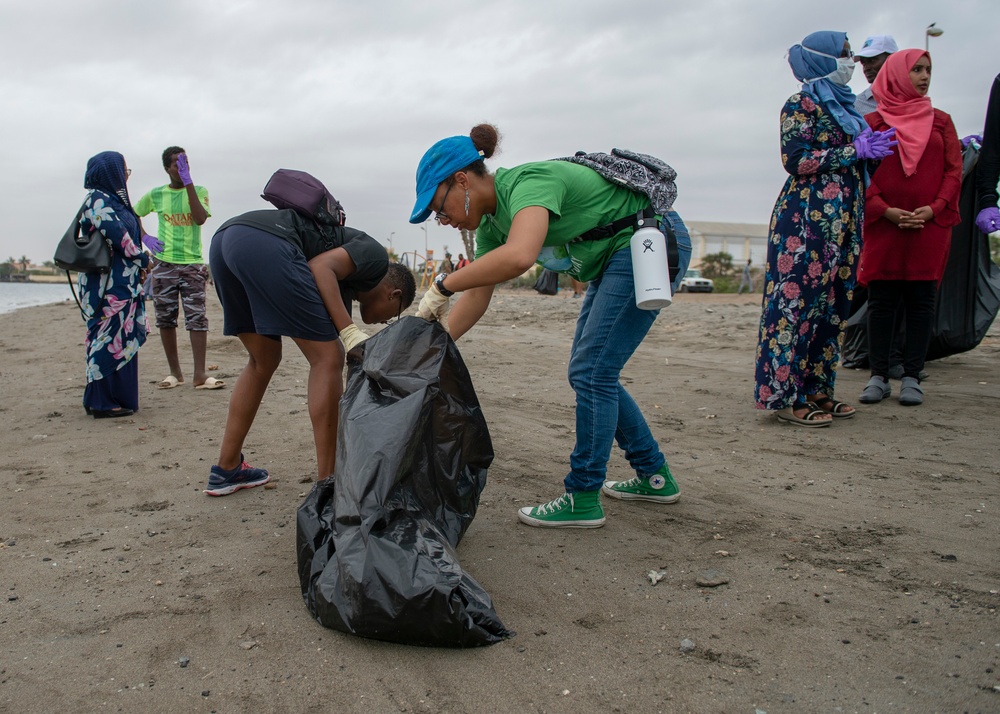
82	254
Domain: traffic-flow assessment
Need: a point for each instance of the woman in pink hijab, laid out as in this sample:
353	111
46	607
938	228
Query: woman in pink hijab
910	208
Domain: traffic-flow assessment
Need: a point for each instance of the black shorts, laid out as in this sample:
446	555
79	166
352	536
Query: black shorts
265	287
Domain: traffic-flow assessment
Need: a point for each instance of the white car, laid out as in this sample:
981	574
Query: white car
692	282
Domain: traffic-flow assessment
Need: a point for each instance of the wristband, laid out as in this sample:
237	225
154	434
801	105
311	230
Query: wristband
439	284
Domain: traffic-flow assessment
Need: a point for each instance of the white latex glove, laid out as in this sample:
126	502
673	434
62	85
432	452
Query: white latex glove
352	336
434	305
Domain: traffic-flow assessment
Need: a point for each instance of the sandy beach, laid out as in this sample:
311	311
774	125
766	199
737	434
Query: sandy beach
845	569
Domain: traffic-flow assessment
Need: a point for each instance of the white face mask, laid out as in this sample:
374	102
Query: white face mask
845	68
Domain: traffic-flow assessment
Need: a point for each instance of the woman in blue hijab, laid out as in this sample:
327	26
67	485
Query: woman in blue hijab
113	302
815	236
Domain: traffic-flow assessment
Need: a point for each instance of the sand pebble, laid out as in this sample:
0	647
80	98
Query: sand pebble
711	579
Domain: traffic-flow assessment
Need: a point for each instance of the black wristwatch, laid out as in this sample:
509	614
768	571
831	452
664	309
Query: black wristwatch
439	284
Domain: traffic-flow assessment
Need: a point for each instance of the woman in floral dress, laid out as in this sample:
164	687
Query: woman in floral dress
815	236
113	302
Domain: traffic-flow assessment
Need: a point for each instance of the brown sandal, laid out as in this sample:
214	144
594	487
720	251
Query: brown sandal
834	408
812	418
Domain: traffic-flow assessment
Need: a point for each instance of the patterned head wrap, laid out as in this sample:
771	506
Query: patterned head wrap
106	173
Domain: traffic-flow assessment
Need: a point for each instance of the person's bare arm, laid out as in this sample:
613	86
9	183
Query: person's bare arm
510	260
470	306
328	270
198	213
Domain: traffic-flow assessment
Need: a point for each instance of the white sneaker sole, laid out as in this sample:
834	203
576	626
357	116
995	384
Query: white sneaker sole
523	515
624	496
226	490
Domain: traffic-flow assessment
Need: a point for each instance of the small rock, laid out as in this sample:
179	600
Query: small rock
248	644
206	692
949	557
184	662
687	645
711	579
656	576
270	485
11	598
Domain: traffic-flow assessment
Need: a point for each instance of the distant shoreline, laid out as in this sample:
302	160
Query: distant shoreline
36	279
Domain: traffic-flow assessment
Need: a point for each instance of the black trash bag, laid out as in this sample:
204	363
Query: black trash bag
547	283
968	297
376	541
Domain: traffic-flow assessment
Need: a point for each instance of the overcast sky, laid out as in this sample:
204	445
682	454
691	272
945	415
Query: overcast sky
355	92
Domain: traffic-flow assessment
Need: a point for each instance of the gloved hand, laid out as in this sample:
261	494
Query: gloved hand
352	336
433	305
154	244
988	220
183	170
875	144
966	140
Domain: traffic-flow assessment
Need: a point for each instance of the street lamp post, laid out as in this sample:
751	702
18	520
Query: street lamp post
931	31
391	234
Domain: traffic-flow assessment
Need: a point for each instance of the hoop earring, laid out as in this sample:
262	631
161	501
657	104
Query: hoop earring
466	203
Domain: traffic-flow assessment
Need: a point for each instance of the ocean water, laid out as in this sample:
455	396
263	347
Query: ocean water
14	296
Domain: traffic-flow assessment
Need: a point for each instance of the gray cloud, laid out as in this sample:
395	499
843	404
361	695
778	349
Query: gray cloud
355	92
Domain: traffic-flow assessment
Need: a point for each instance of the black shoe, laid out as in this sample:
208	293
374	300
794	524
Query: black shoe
111	413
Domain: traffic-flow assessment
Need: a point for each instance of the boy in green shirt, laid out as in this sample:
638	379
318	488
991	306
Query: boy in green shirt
180	273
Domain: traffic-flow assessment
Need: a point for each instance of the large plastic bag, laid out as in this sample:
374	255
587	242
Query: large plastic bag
376	541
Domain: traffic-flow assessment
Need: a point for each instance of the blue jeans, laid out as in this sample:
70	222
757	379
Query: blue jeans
608	331
683	246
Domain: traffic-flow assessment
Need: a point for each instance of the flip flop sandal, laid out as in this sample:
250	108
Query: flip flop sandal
169	382
834	408
811	419
212	383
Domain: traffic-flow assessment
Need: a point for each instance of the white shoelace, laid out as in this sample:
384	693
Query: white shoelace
556	505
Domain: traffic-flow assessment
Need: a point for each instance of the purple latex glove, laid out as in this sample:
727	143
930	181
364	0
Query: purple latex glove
988	220
966	140
183	170
155	245
875	144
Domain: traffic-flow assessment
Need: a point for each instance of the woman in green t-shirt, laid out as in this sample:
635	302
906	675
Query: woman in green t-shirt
527	215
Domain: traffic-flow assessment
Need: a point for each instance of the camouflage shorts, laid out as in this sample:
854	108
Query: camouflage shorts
175	285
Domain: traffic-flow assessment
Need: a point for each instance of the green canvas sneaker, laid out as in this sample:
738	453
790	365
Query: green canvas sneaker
571	510
659	488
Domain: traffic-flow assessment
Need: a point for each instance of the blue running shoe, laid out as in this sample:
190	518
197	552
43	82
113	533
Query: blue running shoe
223	483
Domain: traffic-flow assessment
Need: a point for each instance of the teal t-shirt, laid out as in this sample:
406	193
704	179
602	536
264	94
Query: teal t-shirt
578	199
181	236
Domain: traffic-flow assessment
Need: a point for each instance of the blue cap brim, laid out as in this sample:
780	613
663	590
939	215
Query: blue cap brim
421	209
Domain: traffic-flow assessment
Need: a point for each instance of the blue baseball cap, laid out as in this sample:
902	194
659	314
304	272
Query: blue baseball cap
438	163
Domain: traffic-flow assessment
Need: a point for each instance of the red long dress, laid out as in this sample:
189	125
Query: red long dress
893	253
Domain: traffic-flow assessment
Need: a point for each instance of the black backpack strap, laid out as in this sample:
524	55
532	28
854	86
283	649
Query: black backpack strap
615	227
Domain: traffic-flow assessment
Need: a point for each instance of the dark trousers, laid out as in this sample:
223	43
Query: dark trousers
917	297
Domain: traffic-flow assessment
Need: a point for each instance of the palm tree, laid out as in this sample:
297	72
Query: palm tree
24	263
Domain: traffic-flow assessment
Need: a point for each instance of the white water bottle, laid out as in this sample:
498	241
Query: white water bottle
649	266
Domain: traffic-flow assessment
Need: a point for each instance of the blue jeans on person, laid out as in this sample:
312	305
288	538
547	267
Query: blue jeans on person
683	246
608	331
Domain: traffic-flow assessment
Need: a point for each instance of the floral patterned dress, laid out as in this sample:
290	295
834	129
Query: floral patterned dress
113	303
812	257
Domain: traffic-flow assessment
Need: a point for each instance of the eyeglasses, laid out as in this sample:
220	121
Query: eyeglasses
128	172
439	213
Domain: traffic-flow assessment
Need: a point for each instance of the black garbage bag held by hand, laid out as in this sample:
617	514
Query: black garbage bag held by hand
376	541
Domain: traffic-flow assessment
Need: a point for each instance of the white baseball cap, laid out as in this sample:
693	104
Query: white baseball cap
876	45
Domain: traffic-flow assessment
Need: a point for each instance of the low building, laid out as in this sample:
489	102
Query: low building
740	240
